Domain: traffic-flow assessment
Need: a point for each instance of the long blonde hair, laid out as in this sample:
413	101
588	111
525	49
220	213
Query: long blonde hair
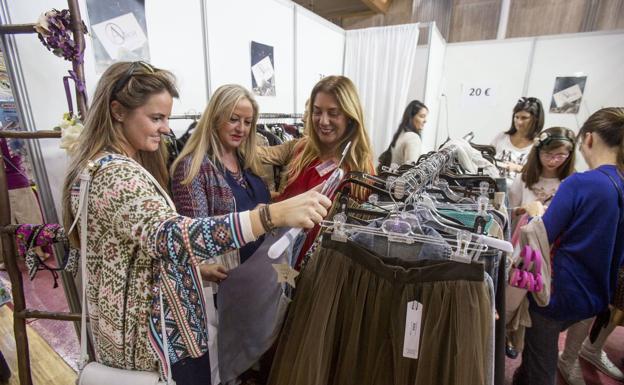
205	139
131	85
359	157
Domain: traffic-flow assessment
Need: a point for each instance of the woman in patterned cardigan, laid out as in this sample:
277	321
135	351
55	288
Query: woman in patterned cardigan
137	245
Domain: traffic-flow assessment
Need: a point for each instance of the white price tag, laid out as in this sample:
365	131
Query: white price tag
411	340
285	273
326	167
478	94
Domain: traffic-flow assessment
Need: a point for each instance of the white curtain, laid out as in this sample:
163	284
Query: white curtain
380	61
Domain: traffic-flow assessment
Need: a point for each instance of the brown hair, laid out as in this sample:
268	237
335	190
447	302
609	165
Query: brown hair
131	84
549	139
534	107
359	157
608	123
412	109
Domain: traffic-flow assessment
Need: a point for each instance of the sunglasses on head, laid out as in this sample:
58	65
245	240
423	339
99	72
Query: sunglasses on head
134	69
530	100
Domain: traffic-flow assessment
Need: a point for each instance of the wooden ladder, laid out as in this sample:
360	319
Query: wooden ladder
7	230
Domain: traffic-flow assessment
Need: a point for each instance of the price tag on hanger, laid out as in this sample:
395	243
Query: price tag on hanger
413	319
285	273
326	167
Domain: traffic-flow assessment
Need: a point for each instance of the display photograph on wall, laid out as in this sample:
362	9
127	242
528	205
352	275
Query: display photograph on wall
262	69
119	32
567	94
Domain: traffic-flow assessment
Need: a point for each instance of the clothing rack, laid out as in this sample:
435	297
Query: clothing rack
423	173
262	116
266	116
415	180
185	117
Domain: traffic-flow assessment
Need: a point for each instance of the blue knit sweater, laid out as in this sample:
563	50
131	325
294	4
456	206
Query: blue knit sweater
586	217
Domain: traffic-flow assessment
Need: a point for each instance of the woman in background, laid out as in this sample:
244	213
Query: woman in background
513	145
406	145
584	223
549	162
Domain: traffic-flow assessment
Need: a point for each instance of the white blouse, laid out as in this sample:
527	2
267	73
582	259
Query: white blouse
407	148
543	190
506	151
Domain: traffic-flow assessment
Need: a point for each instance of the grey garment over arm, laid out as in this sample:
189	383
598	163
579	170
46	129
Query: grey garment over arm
251	306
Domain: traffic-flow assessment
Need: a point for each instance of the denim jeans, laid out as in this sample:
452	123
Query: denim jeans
539	357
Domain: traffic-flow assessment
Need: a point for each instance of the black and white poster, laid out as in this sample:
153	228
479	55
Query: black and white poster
567	95
262	69
119	31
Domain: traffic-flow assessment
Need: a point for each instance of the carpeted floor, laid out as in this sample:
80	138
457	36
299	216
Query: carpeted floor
614	348
41	295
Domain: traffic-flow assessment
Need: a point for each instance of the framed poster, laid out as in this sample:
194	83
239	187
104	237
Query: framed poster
262	69
567	94
119	32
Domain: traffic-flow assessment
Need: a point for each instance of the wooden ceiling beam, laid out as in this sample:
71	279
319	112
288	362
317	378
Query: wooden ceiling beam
378	6
362	12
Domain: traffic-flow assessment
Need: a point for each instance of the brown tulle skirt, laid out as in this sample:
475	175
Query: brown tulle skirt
346	324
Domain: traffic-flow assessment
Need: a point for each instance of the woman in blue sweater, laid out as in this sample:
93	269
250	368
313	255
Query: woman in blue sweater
585	223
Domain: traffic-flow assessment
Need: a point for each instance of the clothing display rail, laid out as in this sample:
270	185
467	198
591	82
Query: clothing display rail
423	173
424	225
262	116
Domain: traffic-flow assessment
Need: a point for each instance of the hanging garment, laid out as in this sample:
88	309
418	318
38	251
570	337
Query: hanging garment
517	317
380	245
346	324
251	308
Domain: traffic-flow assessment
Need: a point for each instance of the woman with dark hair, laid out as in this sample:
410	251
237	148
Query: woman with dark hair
550	161
584	223
513	145
406	145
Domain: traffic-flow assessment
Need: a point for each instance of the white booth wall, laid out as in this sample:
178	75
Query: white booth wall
319	49
180	48
599	56
433	84
232	26
498	65
513	68
307	47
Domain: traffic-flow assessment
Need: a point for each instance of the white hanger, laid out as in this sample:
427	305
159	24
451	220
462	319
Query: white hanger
464	249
